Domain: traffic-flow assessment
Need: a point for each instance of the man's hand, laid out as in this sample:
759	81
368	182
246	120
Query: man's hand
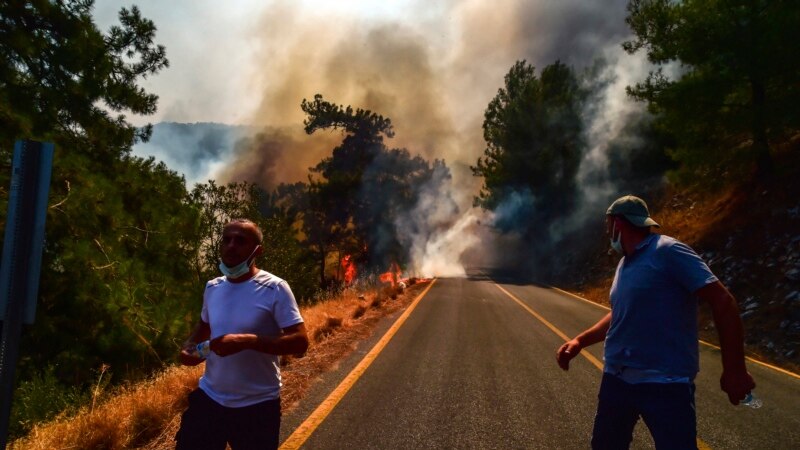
199	334
735	380
230	344
571	348
187	357
566	352
737	384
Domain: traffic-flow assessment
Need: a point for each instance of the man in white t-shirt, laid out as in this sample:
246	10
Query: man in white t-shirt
250	317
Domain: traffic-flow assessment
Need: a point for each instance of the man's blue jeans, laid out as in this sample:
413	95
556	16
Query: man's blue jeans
667	409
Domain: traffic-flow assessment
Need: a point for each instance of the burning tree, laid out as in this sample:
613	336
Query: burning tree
354	197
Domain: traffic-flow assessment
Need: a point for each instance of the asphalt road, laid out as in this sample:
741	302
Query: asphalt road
473	368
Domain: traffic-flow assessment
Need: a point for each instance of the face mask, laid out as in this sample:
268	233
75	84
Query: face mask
239	269
616	244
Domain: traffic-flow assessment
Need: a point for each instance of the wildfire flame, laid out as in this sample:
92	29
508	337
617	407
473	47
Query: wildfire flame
393	276
348	269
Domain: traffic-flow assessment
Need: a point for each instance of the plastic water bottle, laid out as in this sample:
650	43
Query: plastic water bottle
752	401
203	349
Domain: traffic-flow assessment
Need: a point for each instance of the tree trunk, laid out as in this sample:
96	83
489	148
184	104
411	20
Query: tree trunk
764	163
323	254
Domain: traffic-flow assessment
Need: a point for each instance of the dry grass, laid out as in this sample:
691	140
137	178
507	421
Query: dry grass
147	415
129	419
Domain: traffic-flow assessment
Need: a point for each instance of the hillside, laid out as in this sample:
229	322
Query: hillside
750	236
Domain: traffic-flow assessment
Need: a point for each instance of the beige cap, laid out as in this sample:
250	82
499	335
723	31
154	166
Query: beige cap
634	209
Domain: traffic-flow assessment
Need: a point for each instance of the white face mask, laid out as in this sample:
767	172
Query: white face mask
239	269
616	244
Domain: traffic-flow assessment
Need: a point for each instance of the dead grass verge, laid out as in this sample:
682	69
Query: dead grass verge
147	415
129	419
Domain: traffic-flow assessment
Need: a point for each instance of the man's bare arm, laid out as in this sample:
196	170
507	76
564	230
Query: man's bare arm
735	380
293	341
593	335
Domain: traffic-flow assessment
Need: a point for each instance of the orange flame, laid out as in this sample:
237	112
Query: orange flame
386	277
349	269
392	276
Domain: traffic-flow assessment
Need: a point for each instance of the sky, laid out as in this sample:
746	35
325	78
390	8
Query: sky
217	50
432	67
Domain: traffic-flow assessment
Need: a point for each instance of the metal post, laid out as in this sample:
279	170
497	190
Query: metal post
21	260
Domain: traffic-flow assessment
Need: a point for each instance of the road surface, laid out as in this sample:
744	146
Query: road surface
473	366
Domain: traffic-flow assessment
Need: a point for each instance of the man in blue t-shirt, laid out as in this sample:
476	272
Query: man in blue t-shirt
651	342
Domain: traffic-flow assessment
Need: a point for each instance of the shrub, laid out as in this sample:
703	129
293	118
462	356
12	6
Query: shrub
42	398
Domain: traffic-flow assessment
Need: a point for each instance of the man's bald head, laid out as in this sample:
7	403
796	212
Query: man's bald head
249	225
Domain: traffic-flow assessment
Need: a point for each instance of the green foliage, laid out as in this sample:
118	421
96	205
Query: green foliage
283	254
363	189
118	252
312	205
339	192
360	124
128	250
60	75
735	90
217	206
534	139
41	398
116	280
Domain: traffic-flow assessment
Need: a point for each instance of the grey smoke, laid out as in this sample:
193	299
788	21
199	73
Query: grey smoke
433	76
194	149
266	159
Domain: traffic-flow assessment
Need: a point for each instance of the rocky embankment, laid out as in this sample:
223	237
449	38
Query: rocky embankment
751	240
763	272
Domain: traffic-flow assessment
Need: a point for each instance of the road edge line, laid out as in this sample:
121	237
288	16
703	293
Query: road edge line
552	327
762	363
305	429
749	358
701	445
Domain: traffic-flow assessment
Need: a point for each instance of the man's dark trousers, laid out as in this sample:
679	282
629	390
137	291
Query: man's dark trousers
207	425
667	409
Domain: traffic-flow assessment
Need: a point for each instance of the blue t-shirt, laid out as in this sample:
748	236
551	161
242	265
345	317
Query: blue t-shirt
654	309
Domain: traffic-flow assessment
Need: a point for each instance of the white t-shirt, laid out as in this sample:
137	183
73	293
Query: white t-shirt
262	305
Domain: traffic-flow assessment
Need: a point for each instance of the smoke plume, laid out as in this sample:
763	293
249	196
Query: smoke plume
433	70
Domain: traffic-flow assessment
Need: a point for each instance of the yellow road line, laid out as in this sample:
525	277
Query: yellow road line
753	360
700	444
304	431
552	327
579	298
762	363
